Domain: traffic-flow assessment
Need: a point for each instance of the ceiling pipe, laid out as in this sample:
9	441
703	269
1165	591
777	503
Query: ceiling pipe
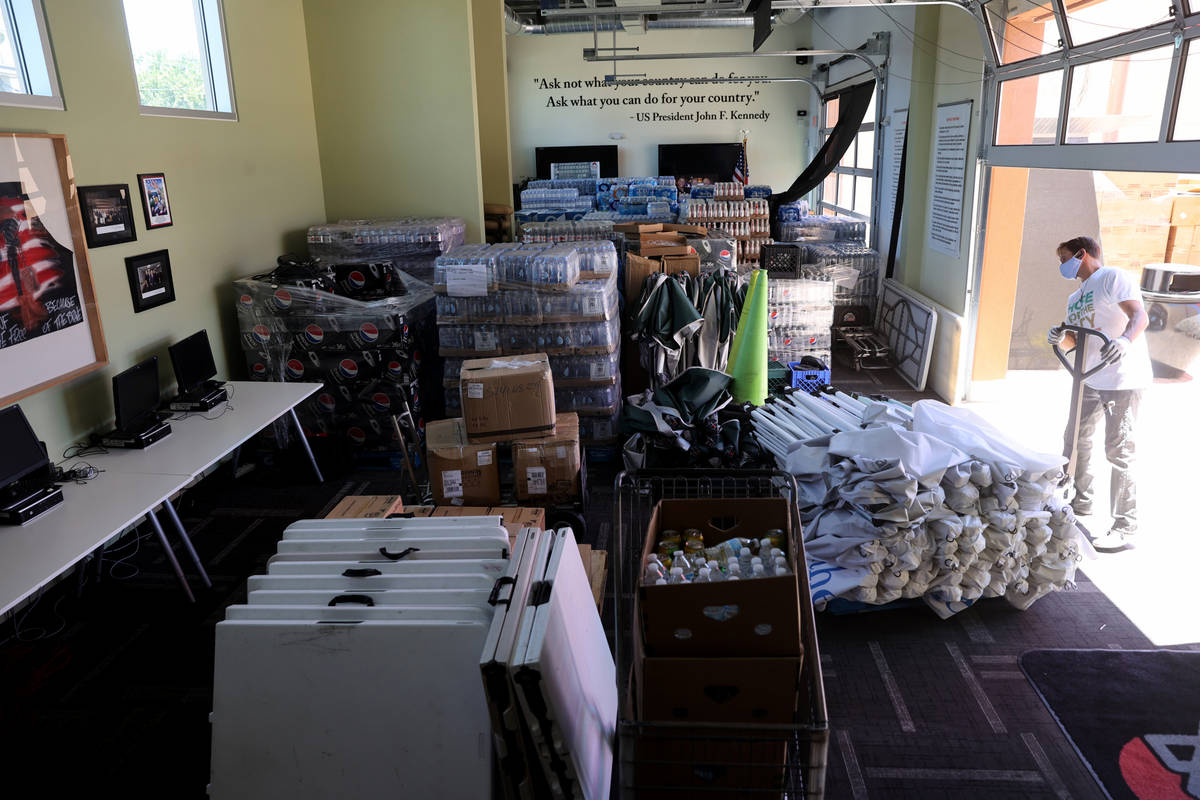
515	26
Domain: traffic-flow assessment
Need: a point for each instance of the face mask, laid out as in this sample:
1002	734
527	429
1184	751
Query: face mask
1070	267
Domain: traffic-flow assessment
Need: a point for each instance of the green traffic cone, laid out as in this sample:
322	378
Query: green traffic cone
737	335
750	370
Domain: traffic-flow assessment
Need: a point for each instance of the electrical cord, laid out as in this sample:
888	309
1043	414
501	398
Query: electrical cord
82	450
80	472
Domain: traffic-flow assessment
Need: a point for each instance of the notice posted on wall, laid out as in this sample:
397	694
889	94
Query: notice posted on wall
951	135
899	129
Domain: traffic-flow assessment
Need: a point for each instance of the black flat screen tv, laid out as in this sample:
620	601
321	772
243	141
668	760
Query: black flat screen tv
606	154
135	396
21	454
706	162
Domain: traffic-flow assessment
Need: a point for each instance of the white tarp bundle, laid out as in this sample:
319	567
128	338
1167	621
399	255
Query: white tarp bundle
944	508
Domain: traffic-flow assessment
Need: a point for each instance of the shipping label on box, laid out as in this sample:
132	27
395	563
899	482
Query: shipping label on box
506	397
547	468
460	473
757	617
367	506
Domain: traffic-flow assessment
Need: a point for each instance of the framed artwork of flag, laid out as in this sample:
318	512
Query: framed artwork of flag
50	328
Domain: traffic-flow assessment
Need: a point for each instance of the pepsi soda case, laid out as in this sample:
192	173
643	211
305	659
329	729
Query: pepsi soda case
368	281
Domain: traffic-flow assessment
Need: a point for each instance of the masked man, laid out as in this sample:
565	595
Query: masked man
1108	301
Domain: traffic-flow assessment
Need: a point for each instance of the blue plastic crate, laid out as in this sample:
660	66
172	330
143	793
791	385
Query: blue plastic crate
809	379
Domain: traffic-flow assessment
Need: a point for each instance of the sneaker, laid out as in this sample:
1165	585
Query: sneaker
1112	542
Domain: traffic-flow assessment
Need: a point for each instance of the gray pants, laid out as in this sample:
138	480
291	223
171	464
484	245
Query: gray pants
1119	408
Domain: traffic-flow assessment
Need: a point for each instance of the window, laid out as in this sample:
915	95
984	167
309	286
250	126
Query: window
1029	109
1187	119
1091	22
849	189
27	75
179	57
1120	99
1022	29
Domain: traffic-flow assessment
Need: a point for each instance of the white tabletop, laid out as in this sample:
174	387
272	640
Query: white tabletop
200	440
36	553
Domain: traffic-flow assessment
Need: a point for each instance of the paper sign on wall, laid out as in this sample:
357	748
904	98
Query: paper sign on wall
951	136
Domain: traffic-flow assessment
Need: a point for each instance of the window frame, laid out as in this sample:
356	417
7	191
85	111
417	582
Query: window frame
1183	29
217	72
23	29
854	172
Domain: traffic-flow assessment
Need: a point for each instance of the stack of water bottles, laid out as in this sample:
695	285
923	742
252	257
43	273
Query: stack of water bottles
683	558
799	319
585	186
568	231
409	243
520	298
823	228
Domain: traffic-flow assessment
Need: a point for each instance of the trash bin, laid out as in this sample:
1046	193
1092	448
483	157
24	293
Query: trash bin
1171	293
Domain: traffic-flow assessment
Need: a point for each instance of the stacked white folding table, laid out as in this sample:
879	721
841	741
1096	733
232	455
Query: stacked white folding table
386	658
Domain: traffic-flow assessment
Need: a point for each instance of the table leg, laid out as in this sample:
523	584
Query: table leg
187	541
162	538
304	441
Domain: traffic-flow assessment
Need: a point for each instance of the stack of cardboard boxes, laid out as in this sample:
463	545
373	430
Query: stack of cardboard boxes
720	653
507	404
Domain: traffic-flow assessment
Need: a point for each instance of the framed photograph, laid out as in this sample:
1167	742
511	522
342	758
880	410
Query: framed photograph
155	203
50	328
150	283
107	214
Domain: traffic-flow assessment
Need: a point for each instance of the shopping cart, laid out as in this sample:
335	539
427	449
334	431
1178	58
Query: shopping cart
673	760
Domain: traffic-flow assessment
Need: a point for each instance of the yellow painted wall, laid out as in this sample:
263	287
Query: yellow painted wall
394	93
241	192
491	77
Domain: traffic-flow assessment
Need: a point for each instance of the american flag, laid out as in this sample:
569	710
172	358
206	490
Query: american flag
741	170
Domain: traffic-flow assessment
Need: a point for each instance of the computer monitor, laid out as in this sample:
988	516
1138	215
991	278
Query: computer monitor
698	163
135	396
192	360
606	154
21	453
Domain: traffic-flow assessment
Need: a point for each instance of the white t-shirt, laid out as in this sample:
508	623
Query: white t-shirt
1095	305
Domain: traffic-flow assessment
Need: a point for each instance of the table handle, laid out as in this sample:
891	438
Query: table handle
383	551
361	599
363	572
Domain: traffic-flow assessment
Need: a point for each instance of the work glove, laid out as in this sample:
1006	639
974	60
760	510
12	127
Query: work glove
1115	349
1055	336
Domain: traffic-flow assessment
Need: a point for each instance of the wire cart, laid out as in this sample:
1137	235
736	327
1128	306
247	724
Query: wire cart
674	760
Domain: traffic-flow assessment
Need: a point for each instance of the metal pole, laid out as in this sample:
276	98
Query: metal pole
304	441
187	541
170	554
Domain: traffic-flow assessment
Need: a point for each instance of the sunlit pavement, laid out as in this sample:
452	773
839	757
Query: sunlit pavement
1157	583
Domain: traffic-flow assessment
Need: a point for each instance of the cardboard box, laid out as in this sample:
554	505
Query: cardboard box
760	691
747	618
367	506
694	230
515	518
507	396
460	473
547	468
662	237
637	227
675	264
637	269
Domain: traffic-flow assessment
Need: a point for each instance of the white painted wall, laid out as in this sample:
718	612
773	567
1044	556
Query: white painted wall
777	145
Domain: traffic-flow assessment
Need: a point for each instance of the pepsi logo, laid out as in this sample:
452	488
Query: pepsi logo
261	334
368	332
295	369
246	301
356	435
348	368
725	254
395	369
381	402
313	334
259	370
356	280
282	299
812	340
326	403
787	341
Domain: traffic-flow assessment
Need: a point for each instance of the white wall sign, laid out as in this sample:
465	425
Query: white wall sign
947	194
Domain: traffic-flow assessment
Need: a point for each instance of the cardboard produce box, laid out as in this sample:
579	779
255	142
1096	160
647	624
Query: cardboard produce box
460	473
367	506
745	618
507	397
675	264
515	518
547	468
